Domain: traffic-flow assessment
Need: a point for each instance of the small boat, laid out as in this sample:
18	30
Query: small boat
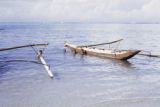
104	53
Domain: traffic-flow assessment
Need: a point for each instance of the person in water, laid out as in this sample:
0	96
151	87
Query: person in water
40	54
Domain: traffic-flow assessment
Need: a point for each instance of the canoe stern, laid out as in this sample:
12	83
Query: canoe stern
129	54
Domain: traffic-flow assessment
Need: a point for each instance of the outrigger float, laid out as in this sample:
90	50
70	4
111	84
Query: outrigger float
104	53
39	53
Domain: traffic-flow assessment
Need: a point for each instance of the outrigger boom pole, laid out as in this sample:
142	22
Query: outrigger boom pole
23	46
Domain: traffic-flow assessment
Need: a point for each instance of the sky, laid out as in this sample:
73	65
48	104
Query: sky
80	10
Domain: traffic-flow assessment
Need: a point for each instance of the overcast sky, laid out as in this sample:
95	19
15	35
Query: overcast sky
80	10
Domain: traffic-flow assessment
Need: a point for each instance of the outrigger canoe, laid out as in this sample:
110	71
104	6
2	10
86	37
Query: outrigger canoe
104	53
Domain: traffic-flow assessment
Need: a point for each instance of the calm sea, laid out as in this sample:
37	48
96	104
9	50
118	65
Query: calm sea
80	81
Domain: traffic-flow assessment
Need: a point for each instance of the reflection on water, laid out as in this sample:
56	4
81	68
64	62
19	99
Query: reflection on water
126	64
3	68
122	63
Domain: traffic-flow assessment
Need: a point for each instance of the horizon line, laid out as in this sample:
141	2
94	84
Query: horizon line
89	22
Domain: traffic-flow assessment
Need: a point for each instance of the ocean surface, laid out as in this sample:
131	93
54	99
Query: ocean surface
79	81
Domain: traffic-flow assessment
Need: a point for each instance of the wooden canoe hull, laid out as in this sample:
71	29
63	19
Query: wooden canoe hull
120	55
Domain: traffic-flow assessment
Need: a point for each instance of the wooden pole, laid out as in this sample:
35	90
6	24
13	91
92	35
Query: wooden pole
22	46
150	55
46	66
101	43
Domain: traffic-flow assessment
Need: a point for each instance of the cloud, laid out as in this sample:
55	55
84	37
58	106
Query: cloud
80	10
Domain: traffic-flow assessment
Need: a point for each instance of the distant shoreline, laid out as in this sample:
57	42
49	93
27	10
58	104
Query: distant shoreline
61	22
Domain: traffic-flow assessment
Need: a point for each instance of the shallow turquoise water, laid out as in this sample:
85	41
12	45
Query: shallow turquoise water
79	80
